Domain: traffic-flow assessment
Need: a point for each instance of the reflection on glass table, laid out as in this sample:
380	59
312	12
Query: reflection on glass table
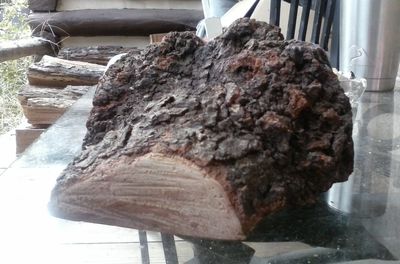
355	220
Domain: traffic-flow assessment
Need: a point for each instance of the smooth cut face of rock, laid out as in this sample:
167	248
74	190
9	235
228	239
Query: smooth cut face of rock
261	121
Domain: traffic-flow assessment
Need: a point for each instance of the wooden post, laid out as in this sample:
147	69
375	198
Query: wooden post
11	50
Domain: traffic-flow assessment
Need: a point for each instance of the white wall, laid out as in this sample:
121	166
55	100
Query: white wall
131	41
64	5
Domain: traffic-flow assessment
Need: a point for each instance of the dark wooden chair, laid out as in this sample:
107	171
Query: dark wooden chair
322	29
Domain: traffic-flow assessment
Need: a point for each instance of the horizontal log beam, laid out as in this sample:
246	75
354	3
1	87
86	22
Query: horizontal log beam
112	22
11	50
42	5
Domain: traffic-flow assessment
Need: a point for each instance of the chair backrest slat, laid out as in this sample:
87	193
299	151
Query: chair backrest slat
275	12
304	19
317	23
294	6
324	14
144	247
170	254
251	10
329	16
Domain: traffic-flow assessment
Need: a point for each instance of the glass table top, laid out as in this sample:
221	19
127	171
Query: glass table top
357	220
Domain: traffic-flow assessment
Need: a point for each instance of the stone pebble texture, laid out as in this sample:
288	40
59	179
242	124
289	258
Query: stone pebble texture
265	117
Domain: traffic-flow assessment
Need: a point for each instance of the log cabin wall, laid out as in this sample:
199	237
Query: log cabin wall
104	22
129	22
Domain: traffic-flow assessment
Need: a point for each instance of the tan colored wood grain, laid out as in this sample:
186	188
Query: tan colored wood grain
92	54
51	71
44	105
153	192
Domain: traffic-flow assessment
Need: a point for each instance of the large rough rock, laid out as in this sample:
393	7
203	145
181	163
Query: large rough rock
205	139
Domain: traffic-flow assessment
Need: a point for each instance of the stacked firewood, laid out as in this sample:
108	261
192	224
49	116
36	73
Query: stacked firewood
55	83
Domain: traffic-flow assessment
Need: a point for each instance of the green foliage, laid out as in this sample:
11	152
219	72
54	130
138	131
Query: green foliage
12	73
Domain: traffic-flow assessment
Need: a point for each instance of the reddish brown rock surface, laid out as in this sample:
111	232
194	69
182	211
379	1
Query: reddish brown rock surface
263	117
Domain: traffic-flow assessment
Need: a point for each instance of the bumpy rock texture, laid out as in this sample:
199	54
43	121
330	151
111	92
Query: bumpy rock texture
266	112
